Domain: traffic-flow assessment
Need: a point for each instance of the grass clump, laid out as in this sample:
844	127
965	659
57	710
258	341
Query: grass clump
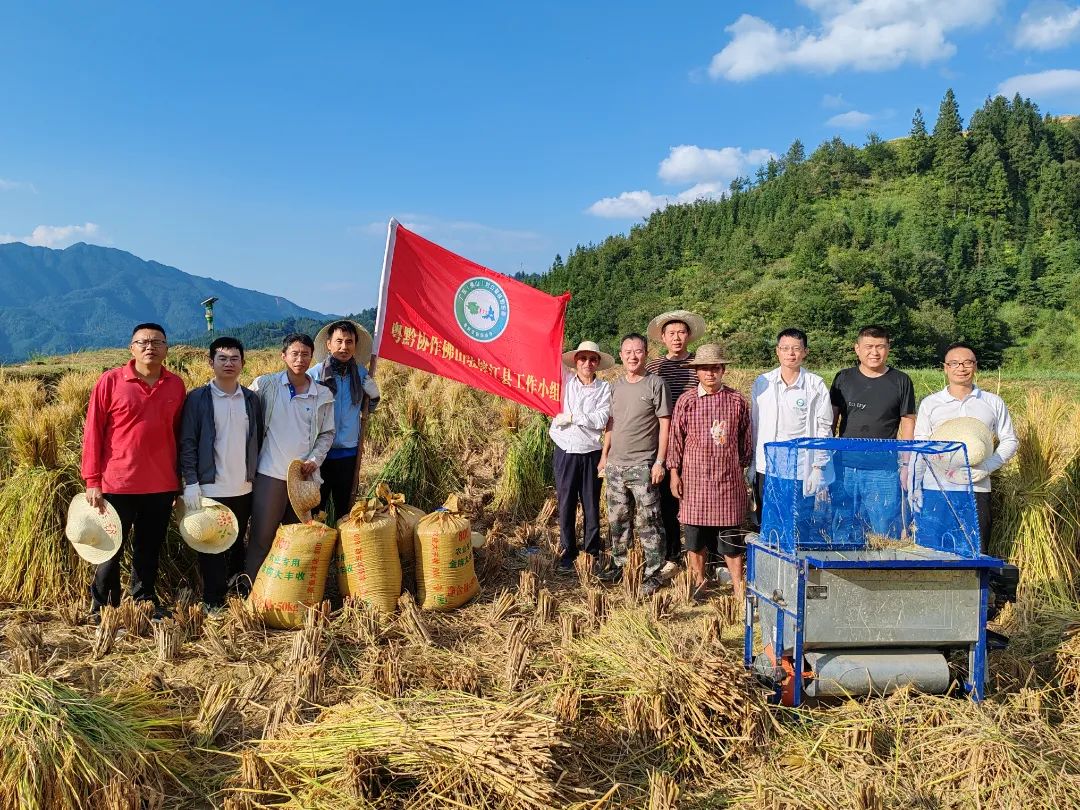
526	473
419	467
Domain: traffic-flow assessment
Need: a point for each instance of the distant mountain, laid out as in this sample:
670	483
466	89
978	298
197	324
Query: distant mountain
87	297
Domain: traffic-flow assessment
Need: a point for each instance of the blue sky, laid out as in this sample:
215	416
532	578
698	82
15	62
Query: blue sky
267	144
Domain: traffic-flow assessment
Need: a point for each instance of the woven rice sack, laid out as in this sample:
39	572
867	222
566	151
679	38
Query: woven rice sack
293	575
368	567
445	577
406	518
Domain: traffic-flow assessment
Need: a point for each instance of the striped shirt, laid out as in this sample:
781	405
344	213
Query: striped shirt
678	378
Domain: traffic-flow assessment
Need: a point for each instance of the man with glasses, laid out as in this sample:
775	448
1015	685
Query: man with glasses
220	437
962	397
299	417
788	402
129	460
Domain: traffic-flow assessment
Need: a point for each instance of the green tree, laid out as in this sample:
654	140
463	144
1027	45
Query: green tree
919	152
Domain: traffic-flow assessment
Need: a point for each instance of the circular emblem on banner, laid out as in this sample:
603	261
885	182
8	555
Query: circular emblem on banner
481	309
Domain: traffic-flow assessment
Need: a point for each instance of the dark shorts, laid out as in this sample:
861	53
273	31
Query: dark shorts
727	541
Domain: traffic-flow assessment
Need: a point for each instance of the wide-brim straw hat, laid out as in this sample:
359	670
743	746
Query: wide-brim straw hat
973	433
96	536
211	530
708	354
304	493
695	323
363	343
606	360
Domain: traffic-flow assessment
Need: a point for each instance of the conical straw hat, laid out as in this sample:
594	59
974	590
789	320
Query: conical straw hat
303	492
970	431
96	536
211	530
606	360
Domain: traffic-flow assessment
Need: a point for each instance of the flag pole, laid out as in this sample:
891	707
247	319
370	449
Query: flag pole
384	280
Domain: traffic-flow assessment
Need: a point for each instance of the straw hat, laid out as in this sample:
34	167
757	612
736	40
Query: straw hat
478	540
304	493
211	530
606	360
363	343
695	323
708	354
96	536
970	431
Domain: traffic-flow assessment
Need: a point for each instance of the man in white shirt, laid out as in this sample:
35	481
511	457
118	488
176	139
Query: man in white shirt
578	435
962	397
299	416
789	402
221	431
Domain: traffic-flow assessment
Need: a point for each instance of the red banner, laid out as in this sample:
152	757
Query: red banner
442	313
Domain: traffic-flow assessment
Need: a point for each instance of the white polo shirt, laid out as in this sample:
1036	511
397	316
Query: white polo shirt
289	431
987	408
230	444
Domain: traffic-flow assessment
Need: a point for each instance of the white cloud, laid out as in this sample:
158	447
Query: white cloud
629	205
1048	25
16	185
57	236
857	34
1047	84
693	164
831	102
853	119
709	170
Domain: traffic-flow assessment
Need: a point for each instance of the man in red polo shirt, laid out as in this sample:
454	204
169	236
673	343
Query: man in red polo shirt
129	460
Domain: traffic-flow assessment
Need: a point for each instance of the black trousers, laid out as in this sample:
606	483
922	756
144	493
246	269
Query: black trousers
669	516
149	516
576	480
217	568
337	476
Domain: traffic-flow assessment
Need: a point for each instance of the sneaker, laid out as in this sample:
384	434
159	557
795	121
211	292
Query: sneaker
565	567
158	614
669	571
649	587
610	575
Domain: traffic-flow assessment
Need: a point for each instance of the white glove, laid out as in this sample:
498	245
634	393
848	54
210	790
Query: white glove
915	498
192	498
812	484
564	418
371	388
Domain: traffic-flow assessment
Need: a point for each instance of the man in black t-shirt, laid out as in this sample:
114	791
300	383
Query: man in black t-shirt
871	401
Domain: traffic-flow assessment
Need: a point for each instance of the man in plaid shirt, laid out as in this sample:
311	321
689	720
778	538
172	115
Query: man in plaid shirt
708	447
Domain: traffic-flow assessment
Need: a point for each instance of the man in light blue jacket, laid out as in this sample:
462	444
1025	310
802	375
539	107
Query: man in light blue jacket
789	402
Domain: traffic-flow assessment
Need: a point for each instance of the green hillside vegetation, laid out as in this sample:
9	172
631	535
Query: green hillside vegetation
940	236
269	334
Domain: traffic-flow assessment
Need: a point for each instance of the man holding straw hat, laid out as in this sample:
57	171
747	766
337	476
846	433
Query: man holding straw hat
299	417
710	445
578	436
342	352
635	446
961	397
129	460
220	437
676	330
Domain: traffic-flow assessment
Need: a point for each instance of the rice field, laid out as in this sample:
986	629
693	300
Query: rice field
544	691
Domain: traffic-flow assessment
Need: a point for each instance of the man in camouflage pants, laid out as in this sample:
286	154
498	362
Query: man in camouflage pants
635	445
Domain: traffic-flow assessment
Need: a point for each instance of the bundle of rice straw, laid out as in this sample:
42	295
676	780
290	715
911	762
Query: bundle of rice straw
293	576
61	748
369	568
453	750
694	707
445	575
1037	514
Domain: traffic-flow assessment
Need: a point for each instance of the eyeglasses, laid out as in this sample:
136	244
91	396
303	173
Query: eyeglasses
960	364
142	344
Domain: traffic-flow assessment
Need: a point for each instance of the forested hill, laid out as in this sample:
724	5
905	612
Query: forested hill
955	234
